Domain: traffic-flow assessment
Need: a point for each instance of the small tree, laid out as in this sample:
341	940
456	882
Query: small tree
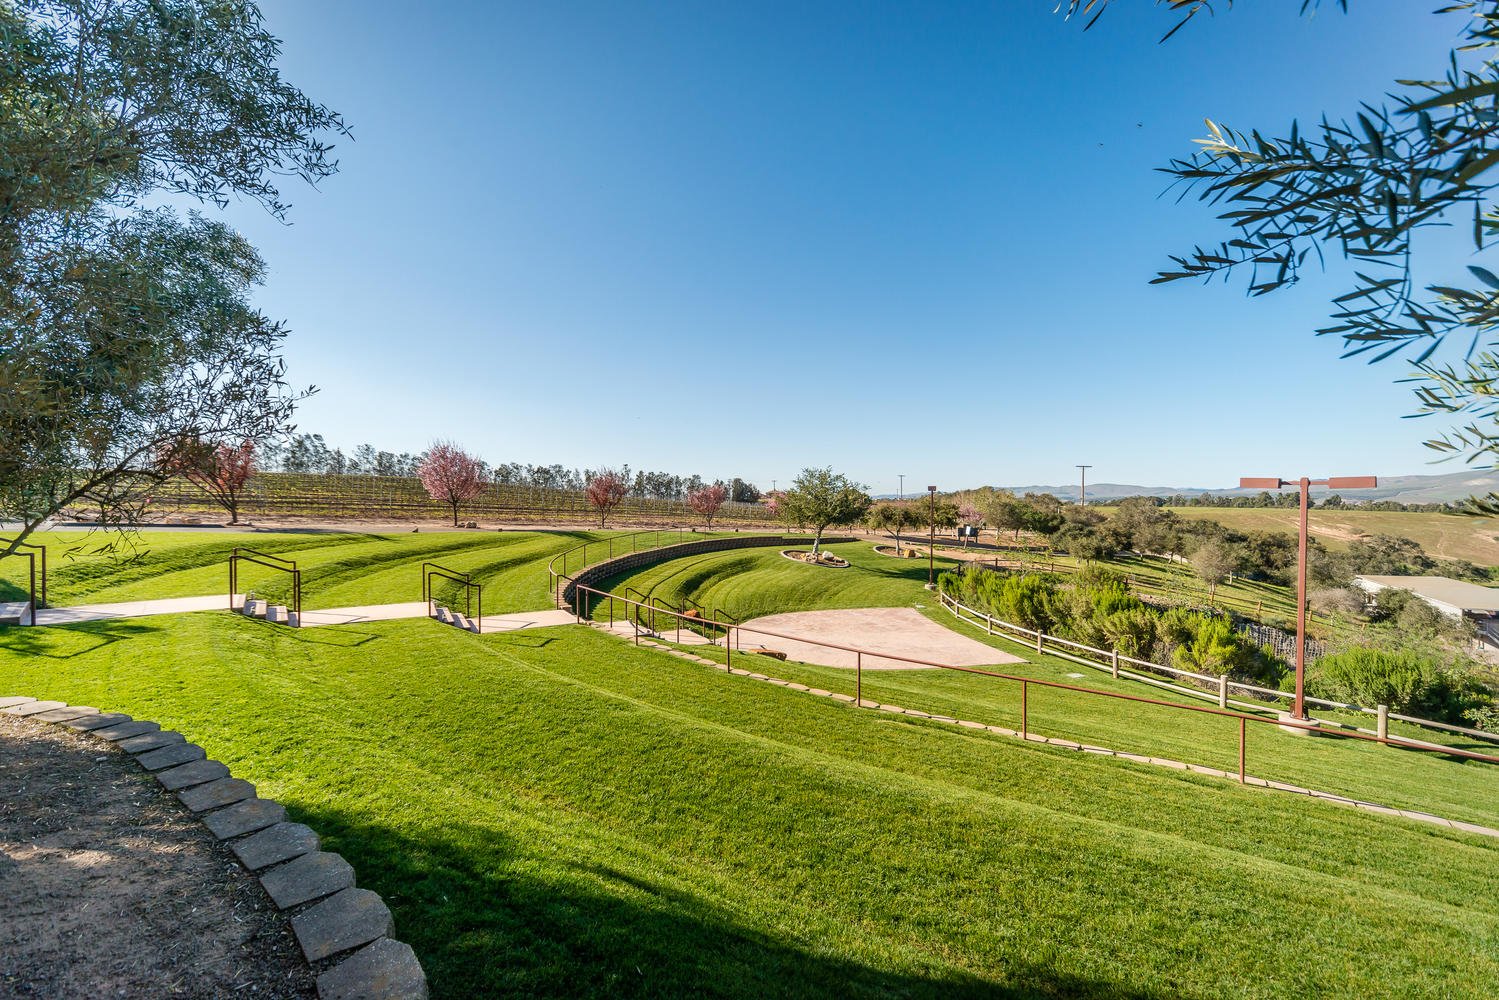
1006	513
821	498
222	472
606	490
1214	563
892	519
707	500
451	475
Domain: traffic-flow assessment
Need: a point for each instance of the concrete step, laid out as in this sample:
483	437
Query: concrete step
15	612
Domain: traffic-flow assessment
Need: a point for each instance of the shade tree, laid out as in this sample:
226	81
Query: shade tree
222	471
820	499
605	490
707	501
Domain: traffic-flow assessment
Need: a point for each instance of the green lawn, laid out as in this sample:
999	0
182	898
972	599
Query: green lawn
338	569
1446	536
556	813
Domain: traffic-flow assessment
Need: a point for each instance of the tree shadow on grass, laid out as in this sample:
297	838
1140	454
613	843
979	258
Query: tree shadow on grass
64	642
487	922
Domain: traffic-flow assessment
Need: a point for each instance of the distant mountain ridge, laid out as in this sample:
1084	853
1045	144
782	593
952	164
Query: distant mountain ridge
1449	488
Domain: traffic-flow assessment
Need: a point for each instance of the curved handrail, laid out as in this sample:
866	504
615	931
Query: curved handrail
240	555
240	550
426	581
469	589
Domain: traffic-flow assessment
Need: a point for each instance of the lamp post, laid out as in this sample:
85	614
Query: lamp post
1336	483
1083	490
931	548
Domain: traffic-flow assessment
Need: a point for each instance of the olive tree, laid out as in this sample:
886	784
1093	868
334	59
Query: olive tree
822	498
125	329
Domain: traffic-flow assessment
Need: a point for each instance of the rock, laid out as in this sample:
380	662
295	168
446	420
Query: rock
385	970
199	772
124	729
347	919
150	741
215	794
281	842
311	876
171	756
244	817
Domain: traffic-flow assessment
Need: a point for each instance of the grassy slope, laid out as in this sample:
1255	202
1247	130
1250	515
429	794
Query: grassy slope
1446	536
748	585
556	813
339	570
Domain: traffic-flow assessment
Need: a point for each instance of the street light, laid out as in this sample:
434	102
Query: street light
931	548
1336	483
1084	489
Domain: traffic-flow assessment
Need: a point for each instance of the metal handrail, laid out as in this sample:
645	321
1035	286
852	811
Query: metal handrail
240	555
43	550
1026	682
240	549
470	589
426	583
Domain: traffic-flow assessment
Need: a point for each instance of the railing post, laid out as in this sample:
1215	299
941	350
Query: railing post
989	624
1039	637
728	650
1223	690
858	678
1241	749
611	612
1024	710
1114	663
1383	726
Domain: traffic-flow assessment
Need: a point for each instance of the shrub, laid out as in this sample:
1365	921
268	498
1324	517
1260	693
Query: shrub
1408	681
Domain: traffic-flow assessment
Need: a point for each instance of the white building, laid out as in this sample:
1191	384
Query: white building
1453	598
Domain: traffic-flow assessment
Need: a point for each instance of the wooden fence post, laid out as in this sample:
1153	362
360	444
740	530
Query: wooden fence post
1384	722
1223	690
1039	637
1114	663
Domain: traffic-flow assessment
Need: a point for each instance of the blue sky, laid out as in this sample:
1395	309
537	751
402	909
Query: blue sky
740	239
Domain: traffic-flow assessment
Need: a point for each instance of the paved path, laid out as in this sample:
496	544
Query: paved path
897	631
526	619
132	609
364	613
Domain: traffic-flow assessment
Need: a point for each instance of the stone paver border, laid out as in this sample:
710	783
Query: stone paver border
344	932
1175	765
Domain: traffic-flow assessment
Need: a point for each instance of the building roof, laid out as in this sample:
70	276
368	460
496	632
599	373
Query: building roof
1454	593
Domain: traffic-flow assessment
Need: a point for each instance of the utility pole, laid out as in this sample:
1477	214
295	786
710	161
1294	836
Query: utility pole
931	548
902	479
1336	483
1084	491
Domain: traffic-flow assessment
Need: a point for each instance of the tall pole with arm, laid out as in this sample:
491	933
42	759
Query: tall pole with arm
1304	485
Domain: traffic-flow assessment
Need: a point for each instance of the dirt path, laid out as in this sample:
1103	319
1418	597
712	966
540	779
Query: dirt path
897	631
112	889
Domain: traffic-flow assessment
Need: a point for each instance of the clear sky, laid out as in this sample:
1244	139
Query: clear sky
739	239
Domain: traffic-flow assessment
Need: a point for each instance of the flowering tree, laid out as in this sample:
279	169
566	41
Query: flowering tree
450	474
606	490
772	502
222	472
707	500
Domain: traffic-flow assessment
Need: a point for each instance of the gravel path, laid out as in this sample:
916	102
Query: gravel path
112	889
898	631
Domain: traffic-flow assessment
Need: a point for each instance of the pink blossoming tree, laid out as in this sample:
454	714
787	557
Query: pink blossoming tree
605	491
451	475
707	501
221	471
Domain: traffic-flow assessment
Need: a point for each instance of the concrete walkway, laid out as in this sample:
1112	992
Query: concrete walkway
897	631
364	613
524	620
133	609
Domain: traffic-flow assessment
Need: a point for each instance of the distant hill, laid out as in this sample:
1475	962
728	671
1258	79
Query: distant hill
1449	488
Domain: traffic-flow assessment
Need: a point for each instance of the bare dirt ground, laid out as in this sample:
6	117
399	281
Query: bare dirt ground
112	889
897	631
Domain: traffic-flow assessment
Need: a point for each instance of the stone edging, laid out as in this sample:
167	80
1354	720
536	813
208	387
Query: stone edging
344	932
1251	780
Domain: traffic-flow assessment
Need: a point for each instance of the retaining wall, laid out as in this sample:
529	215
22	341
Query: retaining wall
593	576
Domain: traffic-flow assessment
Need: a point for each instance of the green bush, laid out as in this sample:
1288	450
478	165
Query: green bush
1408	681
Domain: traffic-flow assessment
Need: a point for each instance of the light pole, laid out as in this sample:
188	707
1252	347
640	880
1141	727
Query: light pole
1336	483
1083	493
902	478
931	548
